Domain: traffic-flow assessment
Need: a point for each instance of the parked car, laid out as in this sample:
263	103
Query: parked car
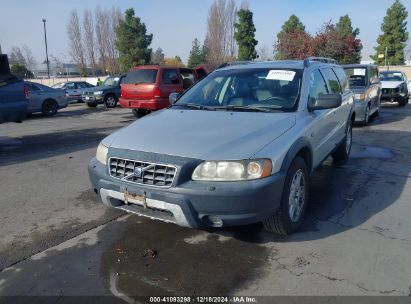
45	99
147	88
364	82
108	93
74	89
238	147
394	87
13	94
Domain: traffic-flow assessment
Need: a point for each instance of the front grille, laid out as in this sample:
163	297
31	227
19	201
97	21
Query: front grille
387	91
153	174
88	93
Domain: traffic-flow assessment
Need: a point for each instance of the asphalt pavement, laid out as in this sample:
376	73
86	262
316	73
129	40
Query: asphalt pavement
57	239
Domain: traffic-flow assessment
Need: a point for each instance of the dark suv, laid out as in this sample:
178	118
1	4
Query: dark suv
107	93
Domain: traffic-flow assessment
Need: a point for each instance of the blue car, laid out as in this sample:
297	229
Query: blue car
45	99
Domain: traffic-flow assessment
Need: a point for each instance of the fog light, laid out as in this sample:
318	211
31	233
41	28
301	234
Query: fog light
213	221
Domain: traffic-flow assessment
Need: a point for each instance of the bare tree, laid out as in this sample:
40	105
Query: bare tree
29	58
88	28
264	53
220	31
16	56
114	17
100	27
76	41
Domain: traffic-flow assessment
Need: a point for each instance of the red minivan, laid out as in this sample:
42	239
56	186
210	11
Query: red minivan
147	88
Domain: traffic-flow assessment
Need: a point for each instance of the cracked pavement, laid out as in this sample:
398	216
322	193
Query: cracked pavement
57	239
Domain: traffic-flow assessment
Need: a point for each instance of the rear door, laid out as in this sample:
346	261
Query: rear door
139	84
35	97
171	81
338	119
322	120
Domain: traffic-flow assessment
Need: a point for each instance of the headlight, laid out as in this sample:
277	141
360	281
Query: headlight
359	96
101	154
232	170
98	93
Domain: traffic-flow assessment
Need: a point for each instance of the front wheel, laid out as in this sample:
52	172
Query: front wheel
403	102
343	151
110	101
49	107
289	216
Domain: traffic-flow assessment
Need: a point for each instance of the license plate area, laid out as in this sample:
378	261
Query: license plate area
134	198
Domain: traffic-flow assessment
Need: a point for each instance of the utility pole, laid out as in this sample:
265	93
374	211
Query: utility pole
47	55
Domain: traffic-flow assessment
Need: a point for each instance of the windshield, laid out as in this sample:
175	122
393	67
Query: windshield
275	89
356	76
141	76
391	76
112	81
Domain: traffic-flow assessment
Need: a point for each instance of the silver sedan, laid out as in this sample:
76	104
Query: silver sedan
45	99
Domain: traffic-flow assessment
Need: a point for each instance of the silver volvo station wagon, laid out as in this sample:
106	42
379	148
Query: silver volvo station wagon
236	148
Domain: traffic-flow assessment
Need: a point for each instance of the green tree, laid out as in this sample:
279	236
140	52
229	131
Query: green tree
394	35
349	52
132	41
244	35
157	57
292	25
291	29
197	54
21	71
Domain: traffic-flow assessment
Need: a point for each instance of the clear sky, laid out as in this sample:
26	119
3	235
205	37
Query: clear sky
176	23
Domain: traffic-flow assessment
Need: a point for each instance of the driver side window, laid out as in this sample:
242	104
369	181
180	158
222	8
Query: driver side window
317	87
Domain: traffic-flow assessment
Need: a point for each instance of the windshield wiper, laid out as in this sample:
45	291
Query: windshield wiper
248	108
194	106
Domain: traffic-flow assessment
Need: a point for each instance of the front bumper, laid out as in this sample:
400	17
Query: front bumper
92	98
392	97
191	203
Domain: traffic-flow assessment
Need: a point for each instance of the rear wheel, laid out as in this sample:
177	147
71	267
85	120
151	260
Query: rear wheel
289	216
343	151
110	101
49	107
140	112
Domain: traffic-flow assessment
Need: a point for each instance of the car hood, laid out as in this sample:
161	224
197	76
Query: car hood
390	84
207	135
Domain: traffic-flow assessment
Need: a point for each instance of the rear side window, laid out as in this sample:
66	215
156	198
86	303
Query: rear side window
331	80
140	76
31	87
317	87
170	76
342	77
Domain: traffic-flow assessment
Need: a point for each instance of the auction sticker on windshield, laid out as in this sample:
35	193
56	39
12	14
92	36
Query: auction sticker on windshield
280	75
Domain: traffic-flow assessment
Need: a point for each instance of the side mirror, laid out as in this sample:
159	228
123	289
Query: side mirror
326	101
173	97
375	81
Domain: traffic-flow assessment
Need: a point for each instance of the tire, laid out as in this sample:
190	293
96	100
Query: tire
289	216
403	102
49	107
139	113
342	153
91	105
110	101
367	115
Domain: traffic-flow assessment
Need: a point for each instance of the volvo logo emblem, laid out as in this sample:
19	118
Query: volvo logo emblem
138	172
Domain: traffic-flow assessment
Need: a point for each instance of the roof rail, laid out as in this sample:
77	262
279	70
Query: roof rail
231	63
319	59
